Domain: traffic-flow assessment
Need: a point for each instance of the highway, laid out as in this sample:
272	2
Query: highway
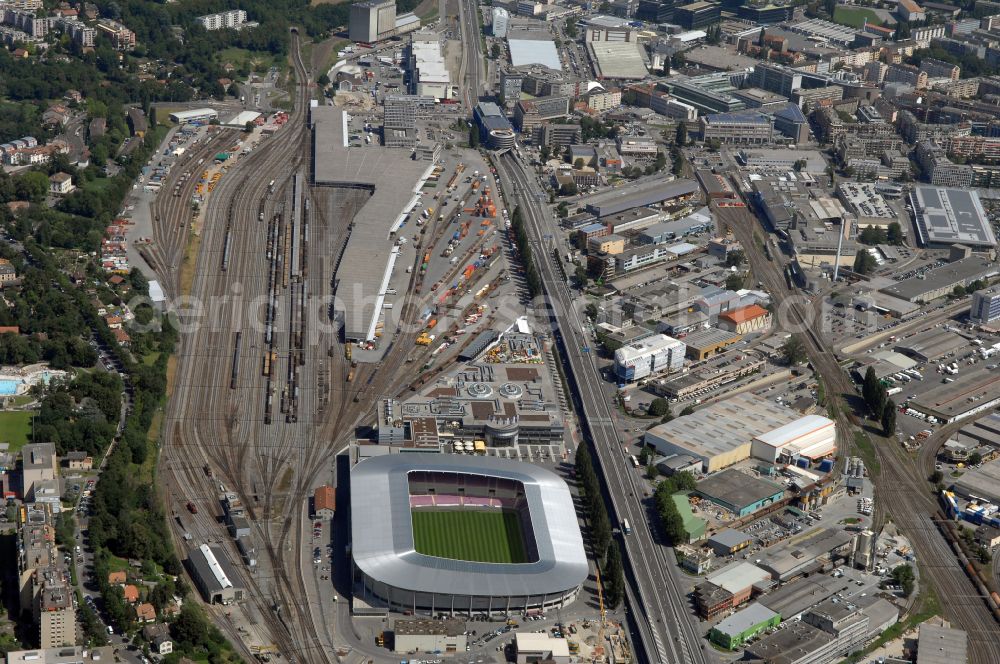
667	632
472	53
901	489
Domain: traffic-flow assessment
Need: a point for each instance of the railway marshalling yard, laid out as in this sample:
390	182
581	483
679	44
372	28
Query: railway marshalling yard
265	392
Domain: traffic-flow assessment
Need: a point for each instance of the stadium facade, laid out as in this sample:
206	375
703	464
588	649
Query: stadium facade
391	572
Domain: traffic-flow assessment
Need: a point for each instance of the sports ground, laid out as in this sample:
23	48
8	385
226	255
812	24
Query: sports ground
486	536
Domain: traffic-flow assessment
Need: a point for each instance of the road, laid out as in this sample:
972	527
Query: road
901	489
667	632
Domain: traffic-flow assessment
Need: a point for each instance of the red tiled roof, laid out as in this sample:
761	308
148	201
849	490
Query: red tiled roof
744	314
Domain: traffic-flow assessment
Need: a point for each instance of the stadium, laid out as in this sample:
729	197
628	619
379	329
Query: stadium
455	534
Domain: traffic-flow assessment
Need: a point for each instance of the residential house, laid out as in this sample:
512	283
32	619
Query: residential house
145	613
61	184
117	578
131	594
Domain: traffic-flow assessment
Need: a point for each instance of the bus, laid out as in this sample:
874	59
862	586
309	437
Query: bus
635	460
627	529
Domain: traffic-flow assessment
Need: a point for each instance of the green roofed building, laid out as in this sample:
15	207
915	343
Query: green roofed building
693	526
732	632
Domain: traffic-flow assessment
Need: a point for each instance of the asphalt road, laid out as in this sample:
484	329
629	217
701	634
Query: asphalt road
472	54
667	632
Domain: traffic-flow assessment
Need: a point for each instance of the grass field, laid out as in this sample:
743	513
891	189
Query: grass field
476	535
855	16
15	428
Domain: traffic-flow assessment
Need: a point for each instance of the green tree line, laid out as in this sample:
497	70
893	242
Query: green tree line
523	243
670	518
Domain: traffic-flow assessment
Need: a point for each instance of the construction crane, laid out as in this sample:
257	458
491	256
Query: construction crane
599	648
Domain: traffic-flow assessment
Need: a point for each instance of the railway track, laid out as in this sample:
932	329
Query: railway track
263	262
902	493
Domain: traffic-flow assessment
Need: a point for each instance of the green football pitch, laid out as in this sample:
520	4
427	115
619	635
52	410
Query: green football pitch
468	534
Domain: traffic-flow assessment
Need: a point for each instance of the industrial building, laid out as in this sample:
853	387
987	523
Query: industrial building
950	216
739	493
812	437
446	636
982	482
642	359
710	341
720	434
214	575
941	281
429	76
728	541
931	345
535	647
394	179
975	390
195	115
816	551
826	633
372	21
524	52
618	60
937	644
745	320
793	599
392	573
630	196
732	632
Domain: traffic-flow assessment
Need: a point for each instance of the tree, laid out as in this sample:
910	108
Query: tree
975	459
473	137
578	164
936	477
688	410
658	407
495	50
31	186
864	262
613	577
872	235
793	350
248	127
902	31
903	575
681	137
571	31
870	386
888	418
894	235
735	258
568	189
580	273
735	281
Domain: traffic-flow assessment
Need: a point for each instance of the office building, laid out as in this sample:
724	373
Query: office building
495	131
511	83
738	128
775	78
655	355
233	18
655	11
985	308
697	15
529	114
501	21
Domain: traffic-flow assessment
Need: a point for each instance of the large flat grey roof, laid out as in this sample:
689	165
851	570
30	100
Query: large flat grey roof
394	180
941	645
950	216
629	196
382	530
960	271
736	488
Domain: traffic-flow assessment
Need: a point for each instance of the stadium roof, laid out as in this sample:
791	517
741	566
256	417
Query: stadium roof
534	52
382	530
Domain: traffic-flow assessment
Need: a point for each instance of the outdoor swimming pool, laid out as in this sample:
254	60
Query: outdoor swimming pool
8	387
11	385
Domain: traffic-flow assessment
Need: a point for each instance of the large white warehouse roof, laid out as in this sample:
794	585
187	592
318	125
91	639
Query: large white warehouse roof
812	436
